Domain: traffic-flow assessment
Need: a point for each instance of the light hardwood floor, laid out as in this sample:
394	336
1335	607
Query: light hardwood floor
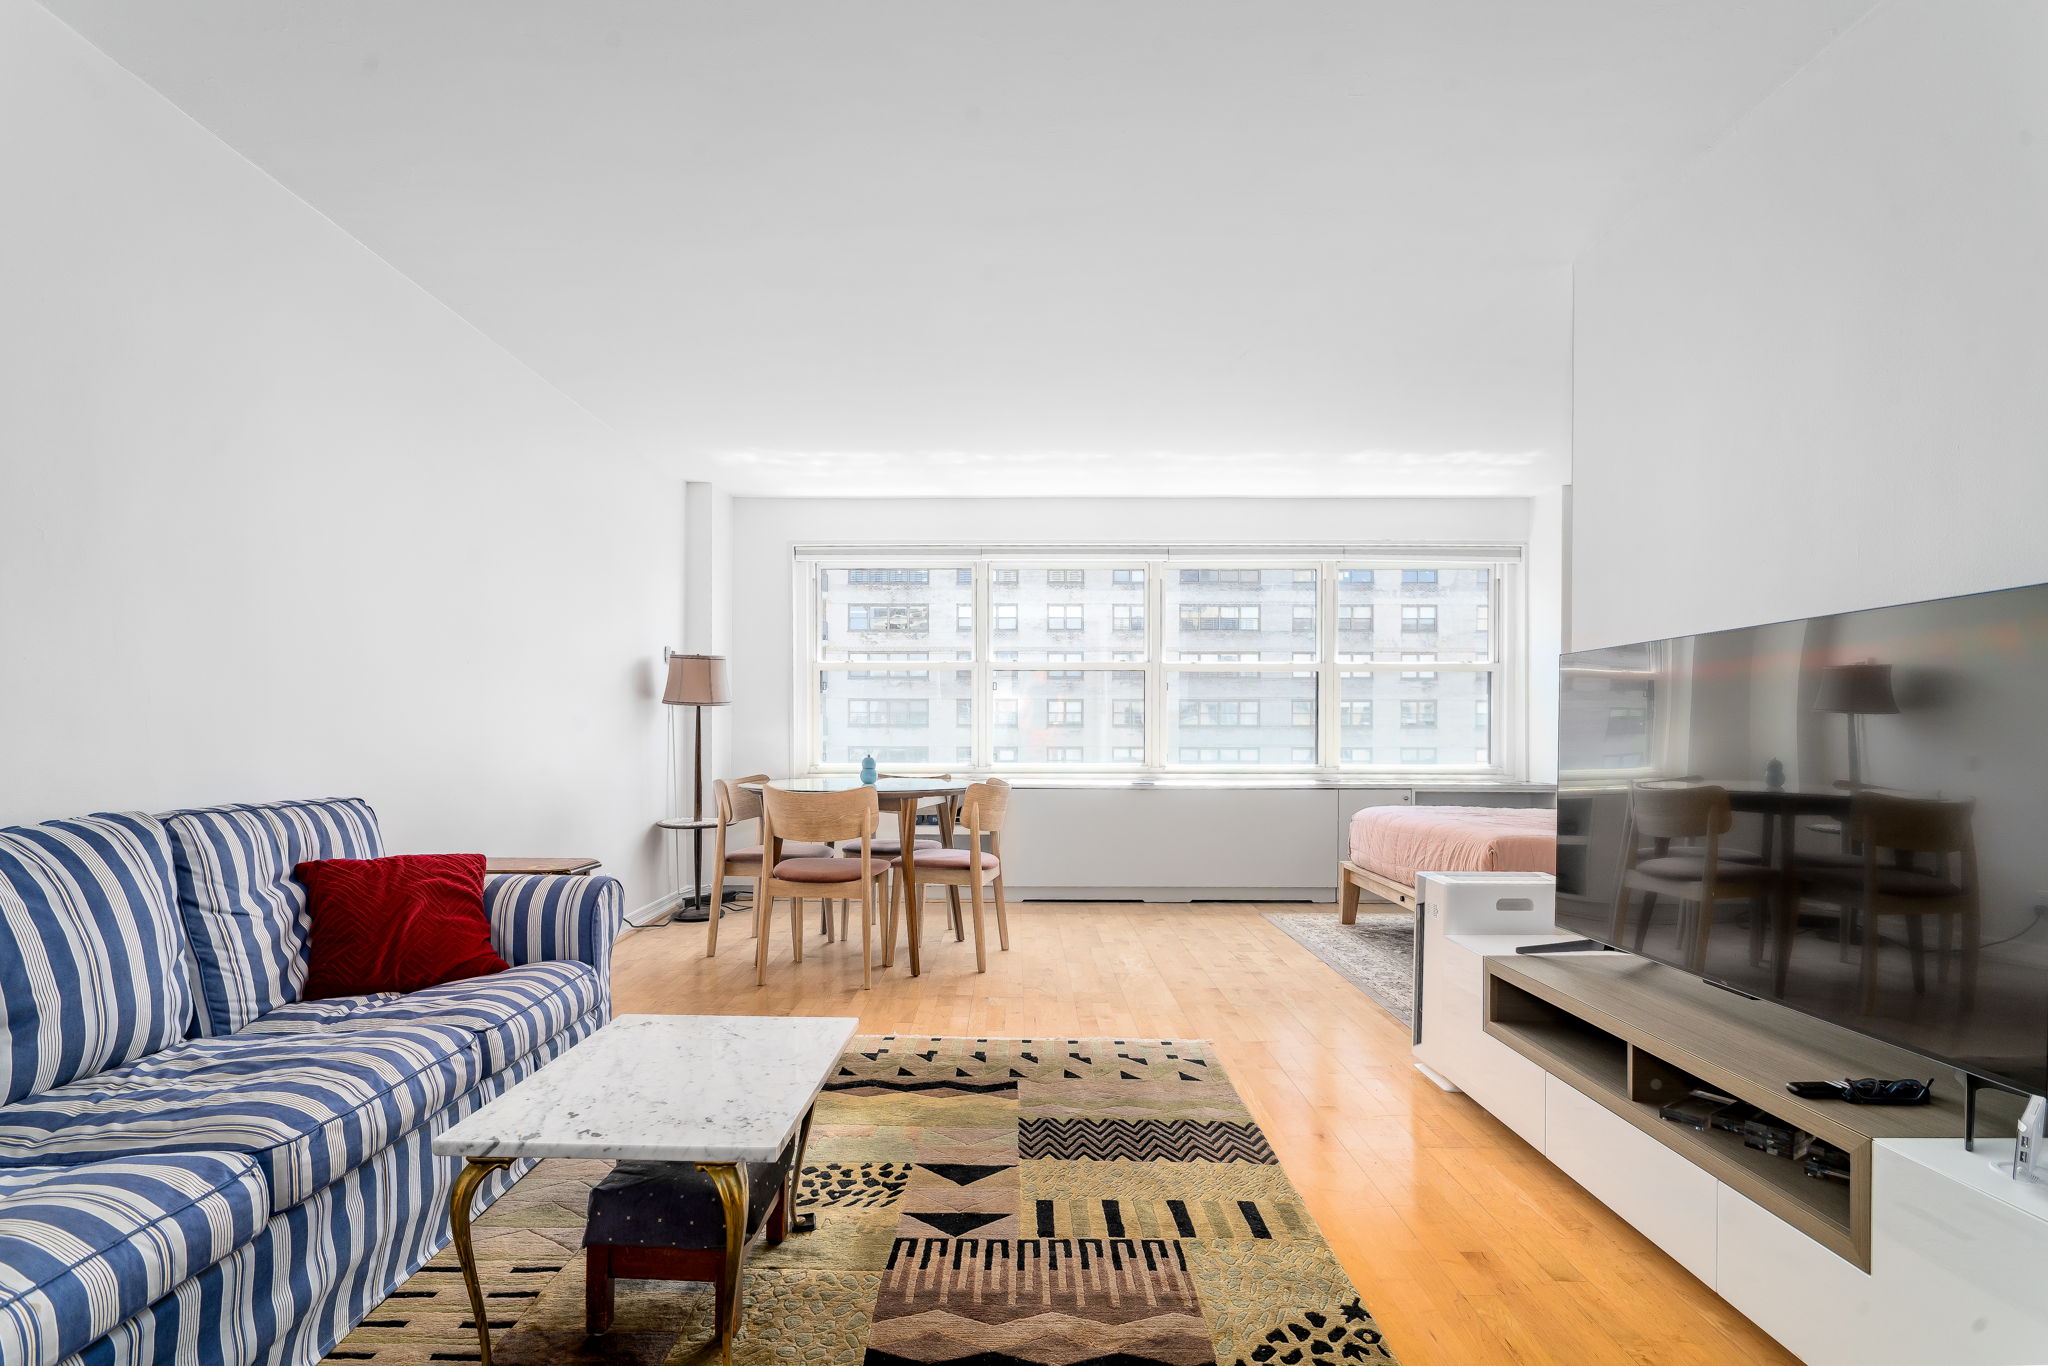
1468	1247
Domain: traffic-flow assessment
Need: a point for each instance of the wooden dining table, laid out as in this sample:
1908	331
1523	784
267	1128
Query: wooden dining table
904	796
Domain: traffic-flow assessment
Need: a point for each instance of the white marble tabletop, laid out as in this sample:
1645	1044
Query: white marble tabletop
664	1088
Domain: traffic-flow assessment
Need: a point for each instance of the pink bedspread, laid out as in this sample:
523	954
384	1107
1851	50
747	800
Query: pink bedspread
1397	842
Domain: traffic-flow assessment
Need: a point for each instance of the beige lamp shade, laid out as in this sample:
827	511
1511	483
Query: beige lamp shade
1858	689
696	681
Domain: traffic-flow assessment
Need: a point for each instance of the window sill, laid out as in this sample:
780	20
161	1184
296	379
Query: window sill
1303	782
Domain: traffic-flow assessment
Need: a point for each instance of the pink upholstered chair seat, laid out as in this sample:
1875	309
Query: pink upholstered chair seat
889	848
955	859
1685	868
819	870
790	849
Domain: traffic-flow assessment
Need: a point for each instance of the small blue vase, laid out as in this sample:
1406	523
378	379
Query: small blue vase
867	770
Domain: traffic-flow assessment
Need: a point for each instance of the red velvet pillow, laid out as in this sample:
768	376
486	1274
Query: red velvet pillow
395	924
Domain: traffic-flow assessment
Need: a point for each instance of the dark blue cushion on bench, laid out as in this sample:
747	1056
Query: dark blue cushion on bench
673	1204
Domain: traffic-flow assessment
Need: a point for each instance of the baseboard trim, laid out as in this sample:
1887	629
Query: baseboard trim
1317	895
655	912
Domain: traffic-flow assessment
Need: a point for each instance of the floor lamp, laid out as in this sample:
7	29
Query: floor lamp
1856	691
697	682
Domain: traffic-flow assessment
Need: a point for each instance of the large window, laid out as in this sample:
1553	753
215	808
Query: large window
1158	662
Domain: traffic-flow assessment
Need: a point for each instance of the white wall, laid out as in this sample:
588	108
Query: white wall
278	524
1209	843
1813	375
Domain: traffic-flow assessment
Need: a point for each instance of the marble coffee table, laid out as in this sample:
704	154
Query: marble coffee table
718	1091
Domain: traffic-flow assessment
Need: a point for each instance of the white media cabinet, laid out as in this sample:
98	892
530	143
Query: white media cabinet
1928	1255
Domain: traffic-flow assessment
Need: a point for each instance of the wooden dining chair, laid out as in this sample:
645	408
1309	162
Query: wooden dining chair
1694	875
1895	835
984	808
1809	863
736	806
824	817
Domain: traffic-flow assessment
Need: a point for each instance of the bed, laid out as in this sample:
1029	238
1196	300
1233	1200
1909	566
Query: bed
1391	844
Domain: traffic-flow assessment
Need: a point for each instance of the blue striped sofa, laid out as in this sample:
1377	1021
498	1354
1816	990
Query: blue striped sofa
196	1165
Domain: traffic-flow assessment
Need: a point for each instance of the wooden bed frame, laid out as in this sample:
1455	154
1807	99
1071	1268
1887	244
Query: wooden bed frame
1352	879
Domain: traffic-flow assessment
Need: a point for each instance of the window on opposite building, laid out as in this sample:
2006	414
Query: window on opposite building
889	618
1219	616
1223	711
892	712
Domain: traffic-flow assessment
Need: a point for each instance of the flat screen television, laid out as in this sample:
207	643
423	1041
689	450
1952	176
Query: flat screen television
1841	743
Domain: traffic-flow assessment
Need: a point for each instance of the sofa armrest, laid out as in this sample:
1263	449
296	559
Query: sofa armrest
540	917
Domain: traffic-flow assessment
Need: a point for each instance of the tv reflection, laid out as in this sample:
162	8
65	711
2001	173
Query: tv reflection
1845	814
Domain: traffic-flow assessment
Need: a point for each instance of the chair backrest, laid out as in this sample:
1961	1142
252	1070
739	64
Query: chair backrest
1677	813
819	816
1914	825
736	803
985	806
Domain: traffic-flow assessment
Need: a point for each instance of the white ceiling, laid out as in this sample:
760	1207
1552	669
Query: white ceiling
923	246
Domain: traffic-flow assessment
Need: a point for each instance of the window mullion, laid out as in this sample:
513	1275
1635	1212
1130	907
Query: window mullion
811	615
1329	691
982	672
1155	672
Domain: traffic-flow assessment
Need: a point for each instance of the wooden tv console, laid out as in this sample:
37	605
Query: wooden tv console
1632	1035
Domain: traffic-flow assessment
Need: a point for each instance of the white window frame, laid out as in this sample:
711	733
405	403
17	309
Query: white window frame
1506	738
1670	702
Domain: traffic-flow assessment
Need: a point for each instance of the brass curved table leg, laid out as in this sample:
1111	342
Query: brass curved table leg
800	1223
730	1179
473	1174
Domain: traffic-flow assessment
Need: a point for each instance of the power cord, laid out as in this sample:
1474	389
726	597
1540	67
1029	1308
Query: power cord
2039	912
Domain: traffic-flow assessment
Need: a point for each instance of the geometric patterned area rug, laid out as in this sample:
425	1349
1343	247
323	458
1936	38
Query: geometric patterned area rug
980	1202
1376	955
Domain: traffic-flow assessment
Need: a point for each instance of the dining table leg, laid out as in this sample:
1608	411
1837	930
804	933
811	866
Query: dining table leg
913	912
1785	905
1757	918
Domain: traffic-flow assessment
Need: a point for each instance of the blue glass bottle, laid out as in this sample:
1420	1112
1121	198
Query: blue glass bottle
867	770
